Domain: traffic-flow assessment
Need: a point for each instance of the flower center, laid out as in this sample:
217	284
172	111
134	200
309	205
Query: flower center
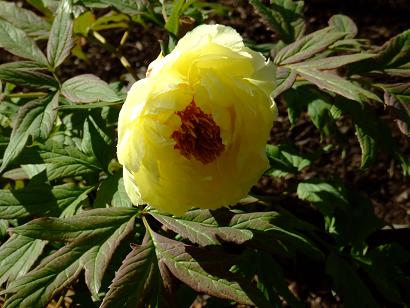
198	136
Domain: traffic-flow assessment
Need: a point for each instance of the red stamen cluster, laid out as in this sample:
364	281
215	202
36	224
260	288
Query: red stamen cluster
198	136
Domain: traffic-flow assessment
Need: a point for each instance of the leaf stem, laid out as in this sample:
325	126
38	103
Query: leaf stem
27	95
116	51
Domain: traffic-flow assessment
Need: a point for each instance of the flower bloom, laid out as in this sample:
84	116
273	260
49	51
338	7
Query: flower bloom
193	132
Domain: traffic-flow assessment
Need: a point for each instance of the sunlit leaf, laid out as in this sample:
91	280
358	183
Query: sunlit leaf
88	88
337	84
285	159
206	271
307	46
285	78
343	23
35	119
60	41
91	251
27	74
24	19
137	280
17	256
17	42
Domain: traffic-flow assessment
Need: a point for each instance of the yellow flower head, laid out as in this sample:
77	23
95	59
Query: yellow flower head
193	132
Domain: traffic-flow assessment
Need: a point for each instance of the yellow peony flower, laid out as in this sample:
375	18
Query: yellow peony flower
193	132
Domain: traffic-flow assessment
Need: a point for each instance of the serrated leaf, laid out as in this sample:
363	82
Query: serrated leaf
88	88
17	42
88	223
353	291
17	256
337	84
307	46
92	251
284	16
36	200
137	280
35	119
285	78
60	162
213	227
205	271
285	159
26	20
60	41
392	58
26	74
343	23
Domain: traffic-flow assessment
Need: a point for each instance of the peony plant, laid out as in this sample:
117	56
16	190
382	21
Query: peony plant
179	184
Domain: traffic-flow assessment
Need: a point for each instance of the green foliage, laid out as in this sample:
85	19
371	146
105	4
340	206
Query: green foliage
64	210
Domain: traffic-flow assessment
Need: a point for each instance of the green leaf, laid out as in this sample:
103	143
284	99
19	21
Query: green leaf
26	20
397	100
88	88
348	284
205	270
334	83
271	279
285	78
137	280
38	200
307	46
382	265
89	105
96	141
214	227
285	159
17	256
284	16
62	162
331	62
112	192
172	23
90	250
342	23
86	224
349	216
60	41
393	58
16	41
368	146
130	7
26	74
35	119
371	131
